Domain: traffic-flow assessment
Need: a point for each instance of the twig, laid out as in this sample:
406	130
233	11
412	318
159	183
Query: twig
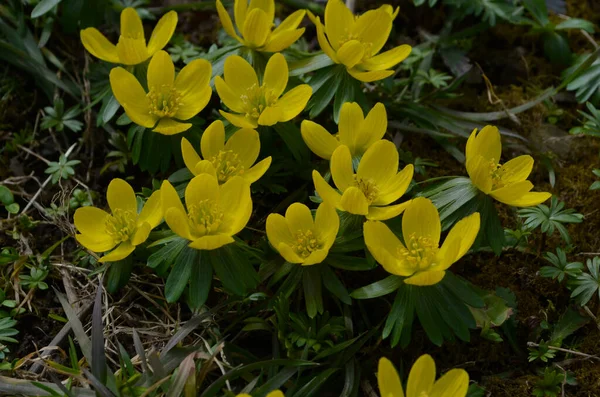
588	356
589	313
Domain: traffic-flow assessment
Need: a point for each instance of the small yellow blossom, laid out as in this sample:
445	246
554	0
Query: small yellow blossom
376	184
355	41
214	213
123	228
421	380
506	183
169	99
254	22
131	48
299	238
224	160
420	258
259	103
355	131
276	393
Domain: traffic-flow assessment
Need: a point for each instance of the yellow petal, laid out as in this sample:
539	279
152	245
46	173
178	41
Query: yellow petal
276	75
192	84
152	213
454	383
205	167
201	187
351	53
161	71
130	94
299	218
267	6
354	201
190	156
478	169
369	77
171	127
162	33
255	173
278	231
131	24
240	9
92	243
257	27
395	187
390	10
211	242
121	252
341	168
291	22
271	116
120	196
90	221
246	144
463	233
351	121
326	192
429	277
470	147
379	163
239	120
141	234
132	51
529	199
383	244
374	27
294	101
315	257
169	198
276	393
318	139
282	40
385	213
487	144
516	170
288	253
226	20
327	224
421	218
236	203
512	192
372	129
239	75
388	59
177	221
388	379
98	45
231	99
213	140
339	22
323	42
421	376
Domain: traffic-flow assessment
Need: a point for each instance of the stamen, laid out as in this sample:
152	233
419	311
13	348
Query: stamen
420	253
205	217
227	164
306	243
368	187
257	99
120	225
164	101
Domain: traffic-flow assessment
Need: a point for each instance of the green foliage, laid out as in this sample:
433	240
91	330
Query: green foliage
489	11
57	118
80	198
588	282
8	200
591	121
35	279
587	84
550	384
549	219
560	268
7	330
61	169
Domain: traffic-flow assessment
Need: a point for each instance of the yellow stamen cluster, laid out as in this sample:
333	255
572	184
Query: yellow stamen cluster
164	101
227	164
257	99
120	225
367	47
368	187
205	216
306	243
420	252
497	174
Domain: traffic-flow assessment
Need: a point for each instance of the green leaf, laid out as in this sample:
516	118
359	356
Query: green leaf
334	285
379	288
576	23
6	196
291	136
311	282
180	274
325	84
200	281
347	92
43	7
428	317
118	274
310	64
233	269
538	9
110	109
491	227
556	48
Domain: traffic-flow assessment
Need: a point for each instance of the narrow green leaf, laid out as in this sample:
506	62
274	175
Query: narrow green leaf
311	282
180	274
379	288
200	281
43	7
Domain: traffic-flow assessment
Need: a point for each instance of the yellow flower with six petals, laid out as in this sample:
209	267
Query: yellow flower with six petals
214	213
420	258
259	103
131	48
506	183
123	228
421	380
169	99
224	160
299	238
254	22
376	184
355	131
355	41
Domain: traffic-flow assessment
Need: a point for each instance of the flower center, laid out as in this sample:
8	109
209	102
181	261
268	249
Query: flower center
164	101
306	243
498	174
420	252
205	217
227	164
368	187
367	47
257	99
120	225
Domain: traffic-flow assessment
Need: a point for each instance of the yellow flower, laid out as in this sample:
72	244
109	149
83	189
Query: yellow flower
259	103
276	393
355	131
169	98
254	22
376	184
421	380
224	160
299	238
131	48
355	41
506	183
123	228
420	258
214	213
